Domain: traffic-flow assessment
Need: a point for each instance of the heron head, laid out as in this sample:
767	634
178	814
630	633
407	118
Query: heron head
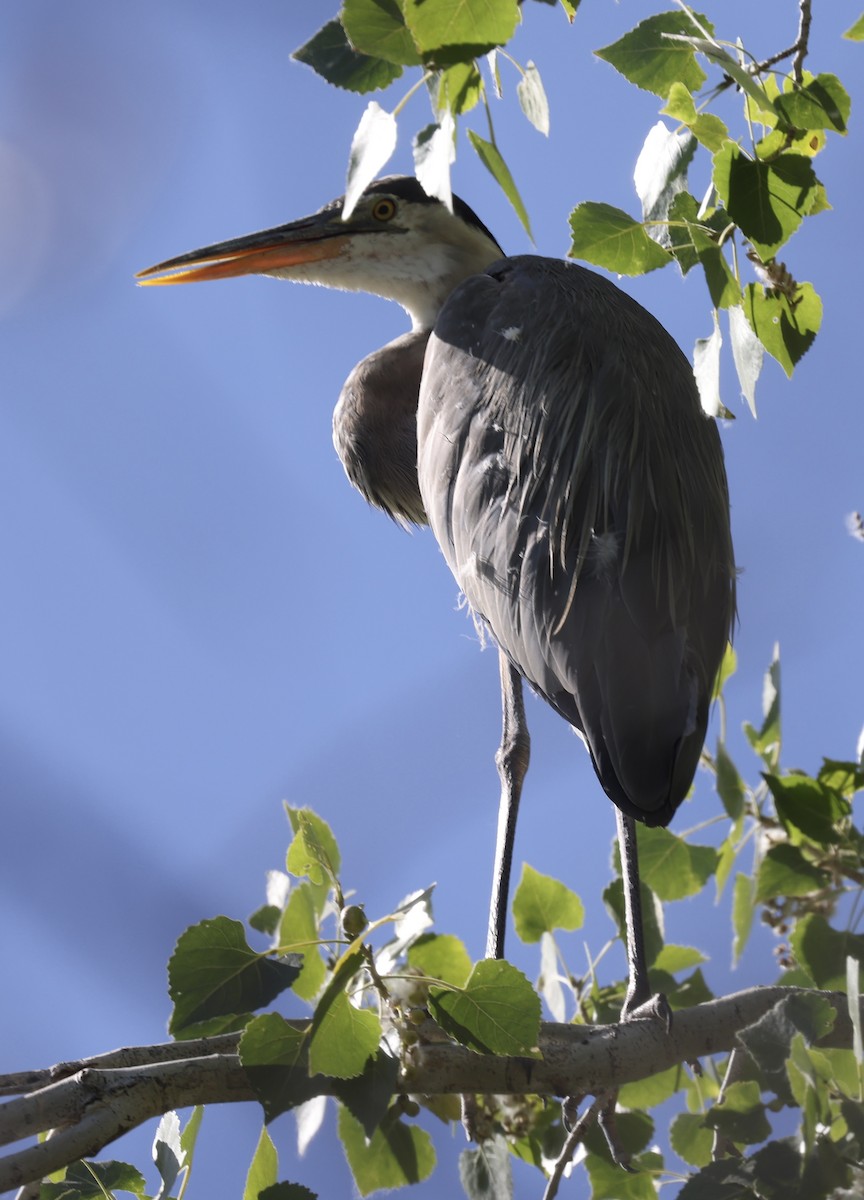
398	243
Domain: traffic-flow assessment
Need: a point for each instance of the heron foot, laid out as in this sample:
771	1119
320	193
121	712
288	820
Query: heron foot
655	1008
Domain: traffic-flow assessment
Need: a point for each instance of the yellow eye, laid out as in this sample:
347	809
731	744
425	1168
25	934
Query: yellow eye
384	209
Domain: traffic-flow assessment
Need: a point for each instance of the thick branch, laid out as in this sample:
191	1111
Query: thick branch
107	1096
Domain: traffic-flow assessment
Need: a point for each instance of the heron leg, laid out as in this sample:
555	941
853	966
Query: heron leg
639	995
512	762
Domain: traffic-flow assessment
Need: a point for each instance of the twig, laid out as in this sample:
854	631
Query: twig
576	1135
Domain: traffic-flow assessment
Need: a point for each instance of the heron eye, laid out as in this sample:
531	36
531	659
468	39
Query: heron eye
384	209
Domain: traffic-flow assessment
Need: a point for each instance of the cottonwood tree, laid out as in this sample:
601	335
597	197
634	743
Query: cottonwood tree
388	1017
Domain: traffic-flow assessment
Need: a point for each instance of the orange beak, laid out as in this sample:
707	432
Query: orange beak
308	240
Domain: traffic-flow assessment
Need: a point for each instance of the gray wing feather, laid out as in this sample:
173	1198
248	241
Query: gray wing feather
579	496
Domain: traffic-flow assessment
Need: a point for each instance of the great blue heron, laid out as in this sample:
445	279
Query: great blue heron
549	430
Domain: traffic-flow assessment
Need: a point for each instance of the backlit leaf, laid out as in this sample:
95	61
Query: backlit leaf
532	99
785	872
373	143
671	867
654	62
807	807
332	56
484	1171
768	201
213	972
742	914
298	930
396	1155
377	28
441	956
690	1139
274	1056
343	1037
263	1169
611	238
706	368
480	24
497	1012
543	904
822	103
747	353
313	852
492	160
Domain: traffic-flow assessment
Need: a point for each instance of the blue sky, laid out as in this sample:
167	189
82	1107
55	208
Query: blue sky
200	619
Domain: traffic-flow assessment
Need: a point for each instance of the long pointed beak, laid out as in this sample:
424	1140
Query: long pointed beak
308	240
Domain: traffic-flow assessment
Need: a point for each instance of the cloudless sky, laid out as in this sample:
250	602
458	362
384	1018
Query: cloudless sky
200	619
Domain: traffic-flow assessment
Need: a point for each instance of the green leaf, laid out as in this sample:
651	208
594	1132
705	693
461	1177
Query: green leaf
742	914
367	1097
807	807
478	24
532	99
728	667
609	1182
313	852
705	127
690	1139
441	956
741	1114
767	201
490	156
633	1132
690	991
344	1038
287	1191
86	1180
646	57
263	1169
747	353
847	778
730	786
766	742
459	88
377	28
654	1089
652	916
671	867
822	951
543	904
298	930
395	1155
497	1012
484	1171
784	871
331	55
274	1056
189	1136
785	328
678	958
855	32
611	238
213	973
822	103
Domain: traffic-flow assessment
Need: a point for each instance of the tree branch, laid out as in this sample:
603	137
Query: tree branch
94	1101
